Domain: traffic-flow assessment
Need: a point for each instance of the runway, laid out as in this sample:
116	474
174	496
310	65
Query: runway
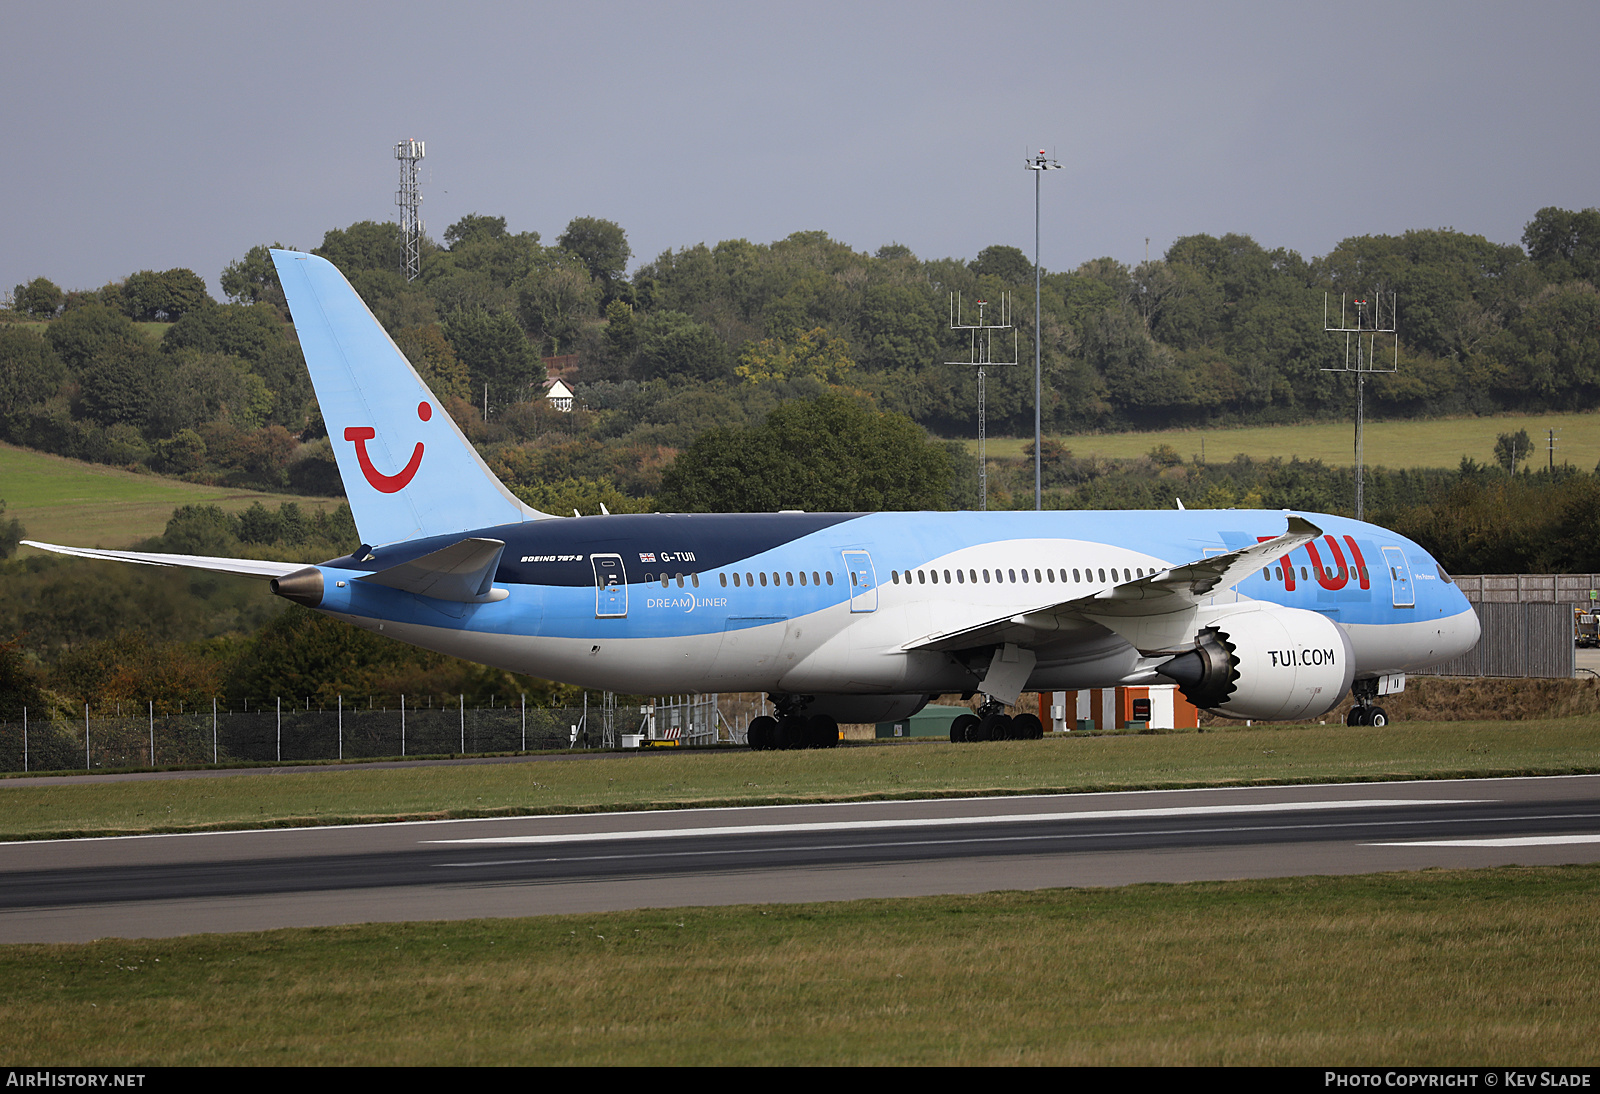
154	886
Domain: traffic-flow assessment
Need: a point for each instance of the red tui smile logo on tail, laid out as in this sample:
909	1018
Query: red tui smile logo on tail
388	484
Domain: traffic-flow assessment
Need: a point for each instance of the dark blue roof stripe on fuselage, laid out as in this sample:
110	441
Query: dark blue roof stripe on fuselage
558	551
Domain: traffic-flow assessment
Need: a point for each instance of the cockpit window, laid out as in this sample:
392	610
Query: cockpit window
1444	577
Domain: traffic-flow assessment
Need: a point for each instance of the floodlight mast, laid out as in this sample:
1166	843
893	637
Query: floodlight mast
409	198
1038	164
980	349
1370	322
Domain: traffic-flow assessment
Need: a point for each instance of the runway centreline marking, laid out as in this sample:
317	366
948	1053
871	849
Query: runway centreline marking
930	822
1502	841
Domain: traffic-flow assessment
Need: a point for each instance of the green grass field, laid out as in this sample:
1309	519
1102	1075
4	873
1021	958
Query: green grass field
1434	968
91	505
1231	755
1434	443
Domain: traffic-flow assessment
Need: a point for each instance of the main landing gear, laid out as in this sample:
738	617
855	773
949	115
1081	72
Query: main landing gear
1365	713
991	723
792	728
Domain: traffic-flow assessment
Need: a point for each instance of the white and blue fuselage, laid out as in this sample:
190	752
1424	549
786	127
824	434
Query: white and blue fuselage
847	616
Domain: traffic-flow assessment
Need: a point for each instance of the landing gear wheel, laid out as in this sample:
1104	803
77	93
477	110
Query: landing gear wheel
790	734
1356	717
961	729
996	727
1377	716
821	732
1027	727
762	733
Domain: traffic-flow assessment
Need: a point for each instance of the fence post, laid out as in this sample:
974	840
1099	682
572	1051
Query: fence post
86	736
152	732
341	727
524	721
461	705
213	729
402	727
24	740
279	730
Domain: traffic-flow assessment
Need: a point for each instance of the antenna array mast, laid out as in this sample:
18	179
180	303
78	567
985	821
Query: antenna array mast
409	198
1371	320
980	352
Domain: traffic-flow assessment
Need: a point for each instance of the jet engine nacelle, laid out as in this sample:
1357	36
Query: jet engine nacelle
1266	662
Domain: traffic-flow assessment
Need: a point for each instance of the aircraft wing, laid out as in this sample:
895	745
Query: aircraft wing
246	567
1131	607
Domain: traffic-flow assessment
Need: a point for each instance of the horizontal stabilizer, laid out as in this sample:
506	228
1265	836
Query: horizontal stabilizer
463	571
245	567
1165	592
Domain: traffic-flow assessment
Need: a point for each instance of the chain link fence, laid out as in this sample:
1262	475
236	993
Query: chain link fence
279	732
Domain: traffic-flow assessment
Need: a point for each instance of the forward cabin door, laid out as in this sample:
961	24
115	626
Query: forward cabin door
1399	577
863	581
610	586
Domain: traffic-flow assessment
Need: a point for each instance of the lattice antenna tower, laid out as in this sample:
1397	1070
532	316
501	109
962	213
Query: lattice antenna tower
980	355
409	198
1372	321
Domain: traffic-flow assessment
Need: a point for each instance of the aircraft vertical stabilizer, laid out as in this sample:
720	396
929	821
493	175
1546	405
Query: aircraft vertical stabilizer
408	471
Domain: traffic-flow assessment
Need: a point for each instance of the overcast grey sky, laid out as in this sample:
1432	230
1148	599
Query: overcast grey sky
162	134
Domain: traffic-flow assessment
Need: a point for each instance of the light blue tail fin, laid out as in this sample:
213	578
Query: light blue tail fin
408	471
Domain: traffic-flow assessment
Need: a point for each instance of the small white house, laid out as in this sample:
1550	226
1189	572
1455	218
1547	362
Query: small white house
559	394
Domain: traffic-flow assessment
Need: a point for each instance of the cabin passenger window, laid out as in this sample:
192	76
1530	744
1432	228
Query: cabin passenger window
853	580
961	578
789	577
1102	573
679	579
830	577
802	577
894	576
922	577
1011	575
695	579
763	579
815	580
724	578
947	577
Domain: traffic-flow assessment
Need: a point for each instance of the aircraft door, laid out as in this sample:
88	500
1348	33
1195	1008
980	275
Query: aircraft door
863	581
610	586
1399	577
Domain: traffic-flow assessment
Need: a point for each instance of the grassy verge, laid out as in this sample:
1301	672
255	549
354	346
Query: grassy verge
1432	968
1437	442
86	504
1233	755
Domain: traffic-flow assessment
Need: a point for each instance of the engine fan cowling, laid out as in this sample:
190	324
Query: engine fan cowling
1266	662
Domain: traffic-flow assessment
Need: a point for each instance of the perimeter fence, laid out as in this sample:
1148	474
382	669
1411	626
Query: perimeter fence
294	731
277	733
